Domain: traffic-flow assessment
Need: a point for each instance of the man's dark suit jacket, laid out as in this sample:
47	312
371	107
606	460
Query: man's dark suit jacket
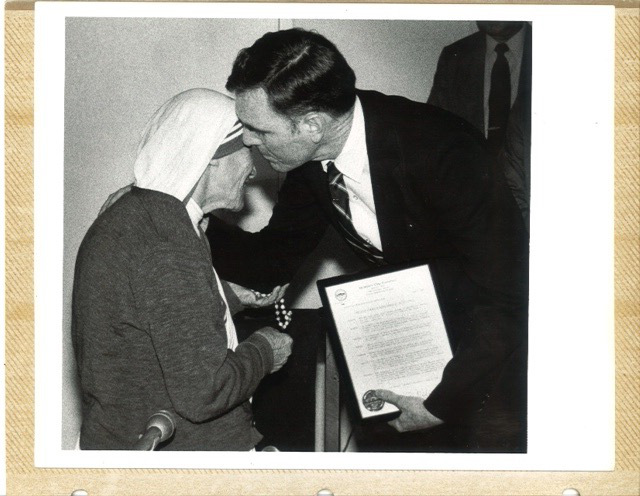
435	202
458	85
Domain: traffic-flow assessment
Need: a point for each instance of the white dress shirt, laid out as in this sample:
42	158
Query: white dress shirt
514	58
353	163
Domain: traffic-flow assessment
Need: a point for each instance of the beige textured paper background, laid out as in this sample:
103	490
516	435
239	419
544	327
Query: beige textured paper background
24	479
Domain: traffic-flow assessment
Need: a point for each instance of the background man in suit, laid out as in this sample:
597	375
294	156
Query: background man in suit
401	182
480	76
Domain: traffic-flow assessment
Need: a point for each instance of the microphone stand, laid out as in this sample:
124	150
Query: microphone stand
159	428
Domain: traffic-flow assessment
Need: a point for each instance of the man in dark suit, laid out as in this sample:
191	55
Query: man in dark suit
483	74
402	182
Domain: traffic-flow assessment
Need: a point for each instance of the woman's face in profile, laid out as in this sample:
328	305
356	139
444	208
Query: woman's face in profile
222	185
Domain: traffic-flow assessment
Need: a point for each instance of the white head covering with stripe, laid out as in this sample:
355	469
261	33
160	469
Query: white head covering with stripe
179	142
181	139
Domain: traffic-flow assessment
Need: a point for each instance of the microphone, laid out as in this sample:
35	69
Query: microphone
159	428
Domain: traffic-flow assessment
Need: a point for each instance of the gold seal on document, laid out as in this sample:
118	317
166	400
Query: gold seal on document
371	402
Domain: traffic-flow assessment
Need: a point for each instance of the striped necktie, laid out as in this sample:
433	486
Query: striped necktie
340	198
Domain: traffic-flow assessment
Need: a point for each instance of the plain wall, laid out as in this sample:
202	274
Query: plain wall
119	70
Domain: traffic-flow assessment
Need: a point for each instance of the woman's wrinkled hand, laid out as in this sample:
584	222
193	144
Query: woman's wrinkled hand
280	345
253	299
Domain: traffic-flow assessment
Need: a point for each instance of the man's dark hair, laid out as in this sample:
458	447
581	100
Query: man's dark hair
300	71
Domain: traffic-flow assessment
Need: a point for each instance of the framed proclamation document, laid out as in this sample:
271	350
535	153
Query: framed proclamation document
391	332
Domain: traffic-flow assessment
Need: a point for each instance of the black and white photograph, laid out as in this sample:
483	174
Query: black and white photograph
309	238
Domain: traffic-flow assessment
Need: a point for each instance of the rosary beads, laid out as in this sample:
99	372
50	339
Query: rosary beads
283	316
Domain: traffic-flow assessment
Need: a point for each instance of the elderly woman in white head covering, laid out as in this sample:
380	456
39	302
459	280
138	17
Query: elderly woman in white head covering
151	325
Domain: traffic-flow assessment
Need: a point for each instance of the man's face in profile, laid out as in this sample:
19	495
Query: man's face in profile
500	31
285	145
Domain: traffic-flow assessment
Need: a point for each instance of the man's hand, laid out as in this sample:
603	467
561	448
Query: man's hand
413	414
253	299
114	197
280	344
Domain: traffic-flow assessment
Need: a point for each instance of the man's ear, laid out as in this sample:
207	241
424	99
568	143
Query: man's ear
314	124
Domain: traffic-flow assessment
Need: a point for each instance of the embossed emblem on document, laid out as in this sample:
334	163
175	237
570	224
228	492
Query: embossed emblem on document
371	402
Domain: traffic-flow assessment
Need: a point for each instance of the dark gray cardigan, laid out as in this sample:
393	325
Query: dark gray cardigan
149	334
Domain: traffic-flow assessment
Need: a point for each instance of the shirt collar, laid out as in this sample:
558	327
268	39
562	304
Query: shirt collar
195	214
515	43
350	160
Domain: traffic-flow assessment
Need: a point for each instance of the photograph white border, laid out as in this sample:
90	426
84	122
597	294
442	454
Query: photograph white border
571	332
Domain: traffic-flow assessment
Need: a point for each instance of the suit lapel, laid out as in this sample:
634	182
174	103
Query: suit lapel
315	177
385	161
475	83
524	84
